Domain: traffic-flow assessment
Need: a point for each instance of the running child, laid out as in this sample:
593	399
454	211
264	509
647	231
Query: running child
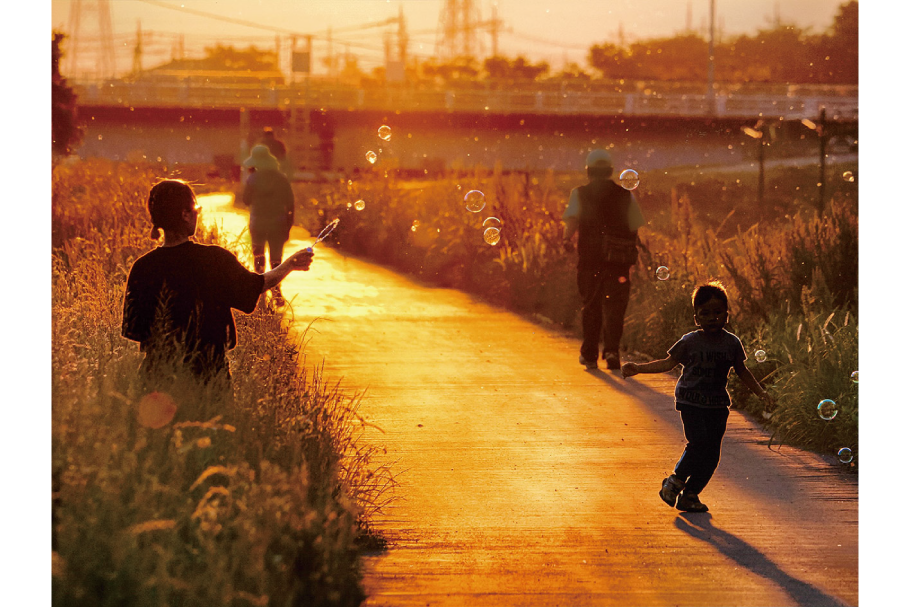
707	355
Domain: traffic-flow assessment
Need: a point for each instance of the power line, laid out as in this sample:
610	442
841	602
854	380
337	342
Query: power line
242	22
571	47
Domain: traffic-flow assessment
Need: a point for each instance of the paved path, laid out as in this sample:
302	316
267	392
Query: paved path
529	481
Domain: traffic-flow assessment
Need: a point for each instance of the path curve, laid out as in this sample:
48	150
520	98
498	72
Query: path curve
529	481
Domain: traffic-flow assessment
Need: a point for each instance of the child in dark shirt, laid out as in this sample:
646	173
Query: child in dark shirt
179	296
707	355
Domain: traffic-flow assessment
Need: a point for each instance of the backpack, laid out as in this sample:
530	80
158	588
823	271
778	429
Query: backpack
605	226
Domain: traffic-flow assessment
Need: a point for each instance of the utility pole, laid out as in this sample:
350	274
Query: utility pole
712	102
402	37
822	143
137	50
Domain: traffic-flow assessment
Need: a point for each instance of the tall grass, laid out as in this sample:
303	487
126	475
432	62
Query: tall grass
259	500
786	266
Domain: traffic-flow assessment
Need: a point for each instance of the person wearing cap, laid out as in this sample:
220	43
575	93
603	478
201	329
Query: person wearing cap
268	194
277	149
179	296
606	217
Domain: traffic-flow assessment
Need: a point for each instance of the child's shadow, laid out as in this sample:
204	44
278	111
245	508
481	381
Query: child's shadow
699	526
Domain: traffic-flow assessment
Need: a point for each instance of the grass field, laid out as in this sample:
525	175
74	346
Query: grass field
179	498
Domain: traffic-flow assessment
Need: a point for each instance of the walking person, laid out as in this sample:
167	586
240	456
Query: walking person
606	217
707	355
268	194
179	296
278	150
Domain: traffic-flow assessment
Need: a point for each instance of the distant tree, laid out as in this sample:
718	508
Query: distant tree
608	59
501	68
781	54
459	69
843	52
66	131
682	57
573	72
228	58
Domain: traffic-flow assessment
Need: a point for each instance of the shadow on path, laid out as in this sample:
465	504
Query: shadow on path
700	527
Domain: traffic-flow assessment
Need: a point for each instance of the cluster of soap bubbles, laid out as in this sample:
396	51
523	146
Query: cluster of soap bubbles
475	202
827	410
385	133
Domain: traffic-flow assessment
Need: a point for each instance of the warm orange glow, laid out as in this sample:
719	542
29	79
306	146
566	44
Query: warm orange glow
156	410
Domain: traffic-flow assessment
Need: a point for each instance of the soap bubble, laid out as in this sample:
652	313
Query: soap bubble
360	205
491	235
848	176
371	157
827	409
855	377
629	179
761	356
663	273
492	222
385	132
474	201
845	455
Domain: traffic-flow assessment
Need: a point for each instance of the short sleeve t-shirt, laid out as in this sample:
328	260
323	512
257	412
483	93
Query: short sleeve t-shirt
706	364
183	295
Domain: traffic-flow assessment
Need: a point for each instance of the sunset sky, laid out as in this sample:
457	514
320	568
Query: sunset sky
542	30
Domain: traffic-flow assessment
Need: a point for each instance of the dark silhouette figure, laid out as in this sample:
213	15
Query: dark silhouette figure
606	217
278	150
707	355
179	296
268	194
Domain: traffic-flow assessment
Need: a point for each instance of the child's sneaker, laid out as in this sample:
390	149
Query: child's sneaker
689	502
670	489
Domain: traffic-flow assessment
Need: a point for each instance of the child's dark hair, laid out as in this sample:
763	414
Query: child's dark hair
168	199
713	289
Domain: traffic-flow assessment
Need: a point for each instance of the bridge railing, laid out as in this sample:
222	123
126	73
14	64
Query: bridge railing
223	95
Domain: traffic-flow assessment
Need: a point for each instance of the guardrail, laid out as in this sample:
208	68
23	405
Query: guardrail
334	97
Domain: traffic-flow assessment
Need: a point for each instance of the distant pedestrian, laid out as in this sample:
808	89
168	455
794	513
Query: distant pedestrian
268	194
179	296
606	217
278	150
707	355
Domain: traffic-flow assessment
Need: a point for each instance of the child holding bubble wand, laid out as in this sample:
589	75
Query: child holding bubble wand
179	296
707	355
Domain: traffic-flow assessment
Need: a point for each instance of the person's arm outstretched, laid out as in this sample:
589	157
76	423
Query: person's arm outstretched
746	376
300	260
655	366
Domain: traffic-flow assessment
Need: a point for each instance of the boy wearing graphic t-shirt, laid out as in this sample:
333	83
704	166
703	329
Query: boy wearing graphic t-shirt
707	355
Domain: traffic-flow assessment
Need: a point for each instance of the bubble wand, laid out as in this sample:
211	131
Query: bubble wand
324	233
